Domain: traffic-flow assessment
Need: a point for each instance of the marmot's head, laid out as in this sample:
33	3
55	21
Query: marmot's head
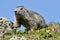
20	11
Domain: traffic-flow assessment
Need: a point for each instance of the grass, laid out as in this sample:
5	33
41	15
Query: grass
49	33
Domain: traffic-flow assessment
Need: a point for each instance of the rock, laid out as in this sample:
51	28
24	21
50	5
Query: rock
1	36
5	25
18	38
28	18
4	22
54	24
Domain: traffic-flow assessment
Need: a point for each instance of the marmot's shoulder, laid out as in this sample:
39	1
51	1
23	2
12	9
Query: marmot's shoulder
35	13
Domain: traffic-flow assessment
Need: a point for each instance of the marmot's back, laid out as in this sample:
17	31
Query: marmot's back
37	17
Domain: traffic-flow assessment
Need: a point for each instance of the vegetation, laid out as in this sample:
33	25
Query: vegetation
49	33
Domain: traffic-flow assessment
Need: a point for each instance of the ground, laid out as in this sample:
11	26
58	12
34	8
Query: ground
48	33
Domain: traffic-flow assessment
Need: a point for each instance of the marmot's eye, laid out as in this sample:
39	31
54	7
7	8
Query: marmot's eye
21	8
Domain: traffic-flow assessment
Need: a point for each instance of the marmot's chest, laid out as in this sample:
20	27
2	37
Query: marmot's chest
22	21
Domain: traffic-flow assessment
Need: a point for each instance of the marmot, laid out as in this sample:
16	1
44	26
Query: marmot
28	18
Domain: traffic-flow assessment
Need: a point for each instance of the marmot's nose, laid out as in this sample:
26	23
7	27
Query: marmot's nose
15	11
